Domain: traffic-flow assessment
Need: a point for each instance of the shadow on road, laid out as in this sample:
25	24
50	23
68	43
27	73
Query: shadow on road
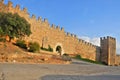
77	77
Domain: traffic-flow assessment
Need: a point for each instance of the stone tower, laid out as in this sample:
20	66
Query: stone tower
108	50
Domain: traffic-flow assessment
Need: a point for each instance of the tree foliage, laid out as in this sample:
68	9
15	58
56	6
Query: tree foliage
13	25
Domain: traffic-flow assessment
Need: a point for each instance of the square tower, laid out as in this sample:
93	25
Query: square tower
108	50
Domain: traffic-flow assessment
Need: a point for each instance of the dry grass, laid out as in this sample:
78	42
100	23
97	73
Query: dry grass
13	54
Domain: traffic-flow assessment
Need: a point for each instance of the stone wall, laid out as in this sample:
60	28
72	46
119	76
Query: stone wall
118	60
108	50
86	50
46	34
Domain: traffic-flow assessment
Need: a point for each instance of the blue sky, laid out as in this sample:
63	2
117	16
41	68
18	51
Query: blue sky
86	18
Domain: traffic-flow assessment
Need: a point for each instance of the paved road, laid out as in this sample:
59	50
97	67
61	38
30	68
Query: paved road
68	77
78	70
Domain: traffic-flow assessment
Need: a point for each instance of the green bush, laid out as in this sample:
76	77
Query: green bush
78	57
50	49
87	60
21	43
47	49
34	47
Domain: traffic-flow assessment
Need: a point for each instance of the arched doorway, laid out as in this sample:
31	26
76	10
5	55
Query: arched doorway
59	50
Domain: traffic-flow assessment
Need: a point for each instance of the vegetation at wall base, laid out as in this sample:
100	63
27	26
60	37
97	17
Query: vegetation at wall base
87	60
50	49
34	47
21	44
47	49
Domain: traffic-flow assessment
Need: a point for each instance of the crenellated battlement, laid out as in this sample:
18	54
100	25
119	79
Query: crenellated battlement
62	29
10	4
53	26
86	43
25	10
39	19
45	20
58	28
17	7
24	13
71	35
68	34
106	38
33	16
109	37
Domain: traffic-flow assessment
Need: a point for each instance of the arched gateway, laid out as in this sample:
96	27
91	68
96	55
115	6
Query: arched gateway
59	49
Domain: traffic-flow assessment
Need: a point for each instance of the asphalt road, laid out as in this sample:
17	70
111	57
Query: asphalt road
78	70
68	77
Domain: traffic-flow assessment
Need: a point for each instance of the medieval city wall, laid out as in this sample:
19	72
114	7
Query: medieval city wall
104	49
118	60
87	50
108	50
112	51
46	34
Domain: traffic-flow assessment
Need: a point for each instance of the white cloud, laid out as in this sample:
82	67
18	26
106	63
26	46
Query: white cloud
85	38
96	41
118	47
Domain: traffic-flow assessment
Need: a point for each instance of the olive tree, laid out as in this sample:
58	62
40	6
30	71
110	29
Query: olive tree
13	25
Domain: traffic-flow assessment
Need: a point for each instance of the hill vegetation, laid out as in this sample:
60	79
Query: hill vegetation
13	25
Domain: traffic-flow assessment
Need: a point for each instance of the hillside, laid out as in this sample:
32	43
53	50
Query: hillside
13	54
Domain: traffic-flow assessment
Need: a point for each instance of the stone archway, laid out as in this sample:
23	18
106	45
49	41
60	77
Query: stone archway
59	49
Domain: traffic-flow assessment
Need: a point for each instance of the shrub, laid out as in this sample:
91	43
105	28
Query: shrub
50	49
87	60
21	43
47	49
78	57
34	47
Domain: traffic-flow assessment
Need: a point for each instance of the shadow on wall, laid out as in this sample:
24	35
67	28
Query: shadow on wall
98	53
78	77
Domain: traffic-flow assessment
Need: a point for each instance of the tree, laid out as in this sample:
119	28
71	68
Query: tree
13	25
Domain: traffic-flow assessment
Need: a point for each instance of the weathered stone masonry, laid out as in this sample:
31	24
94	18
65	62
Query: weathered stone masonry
108	50
46	34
